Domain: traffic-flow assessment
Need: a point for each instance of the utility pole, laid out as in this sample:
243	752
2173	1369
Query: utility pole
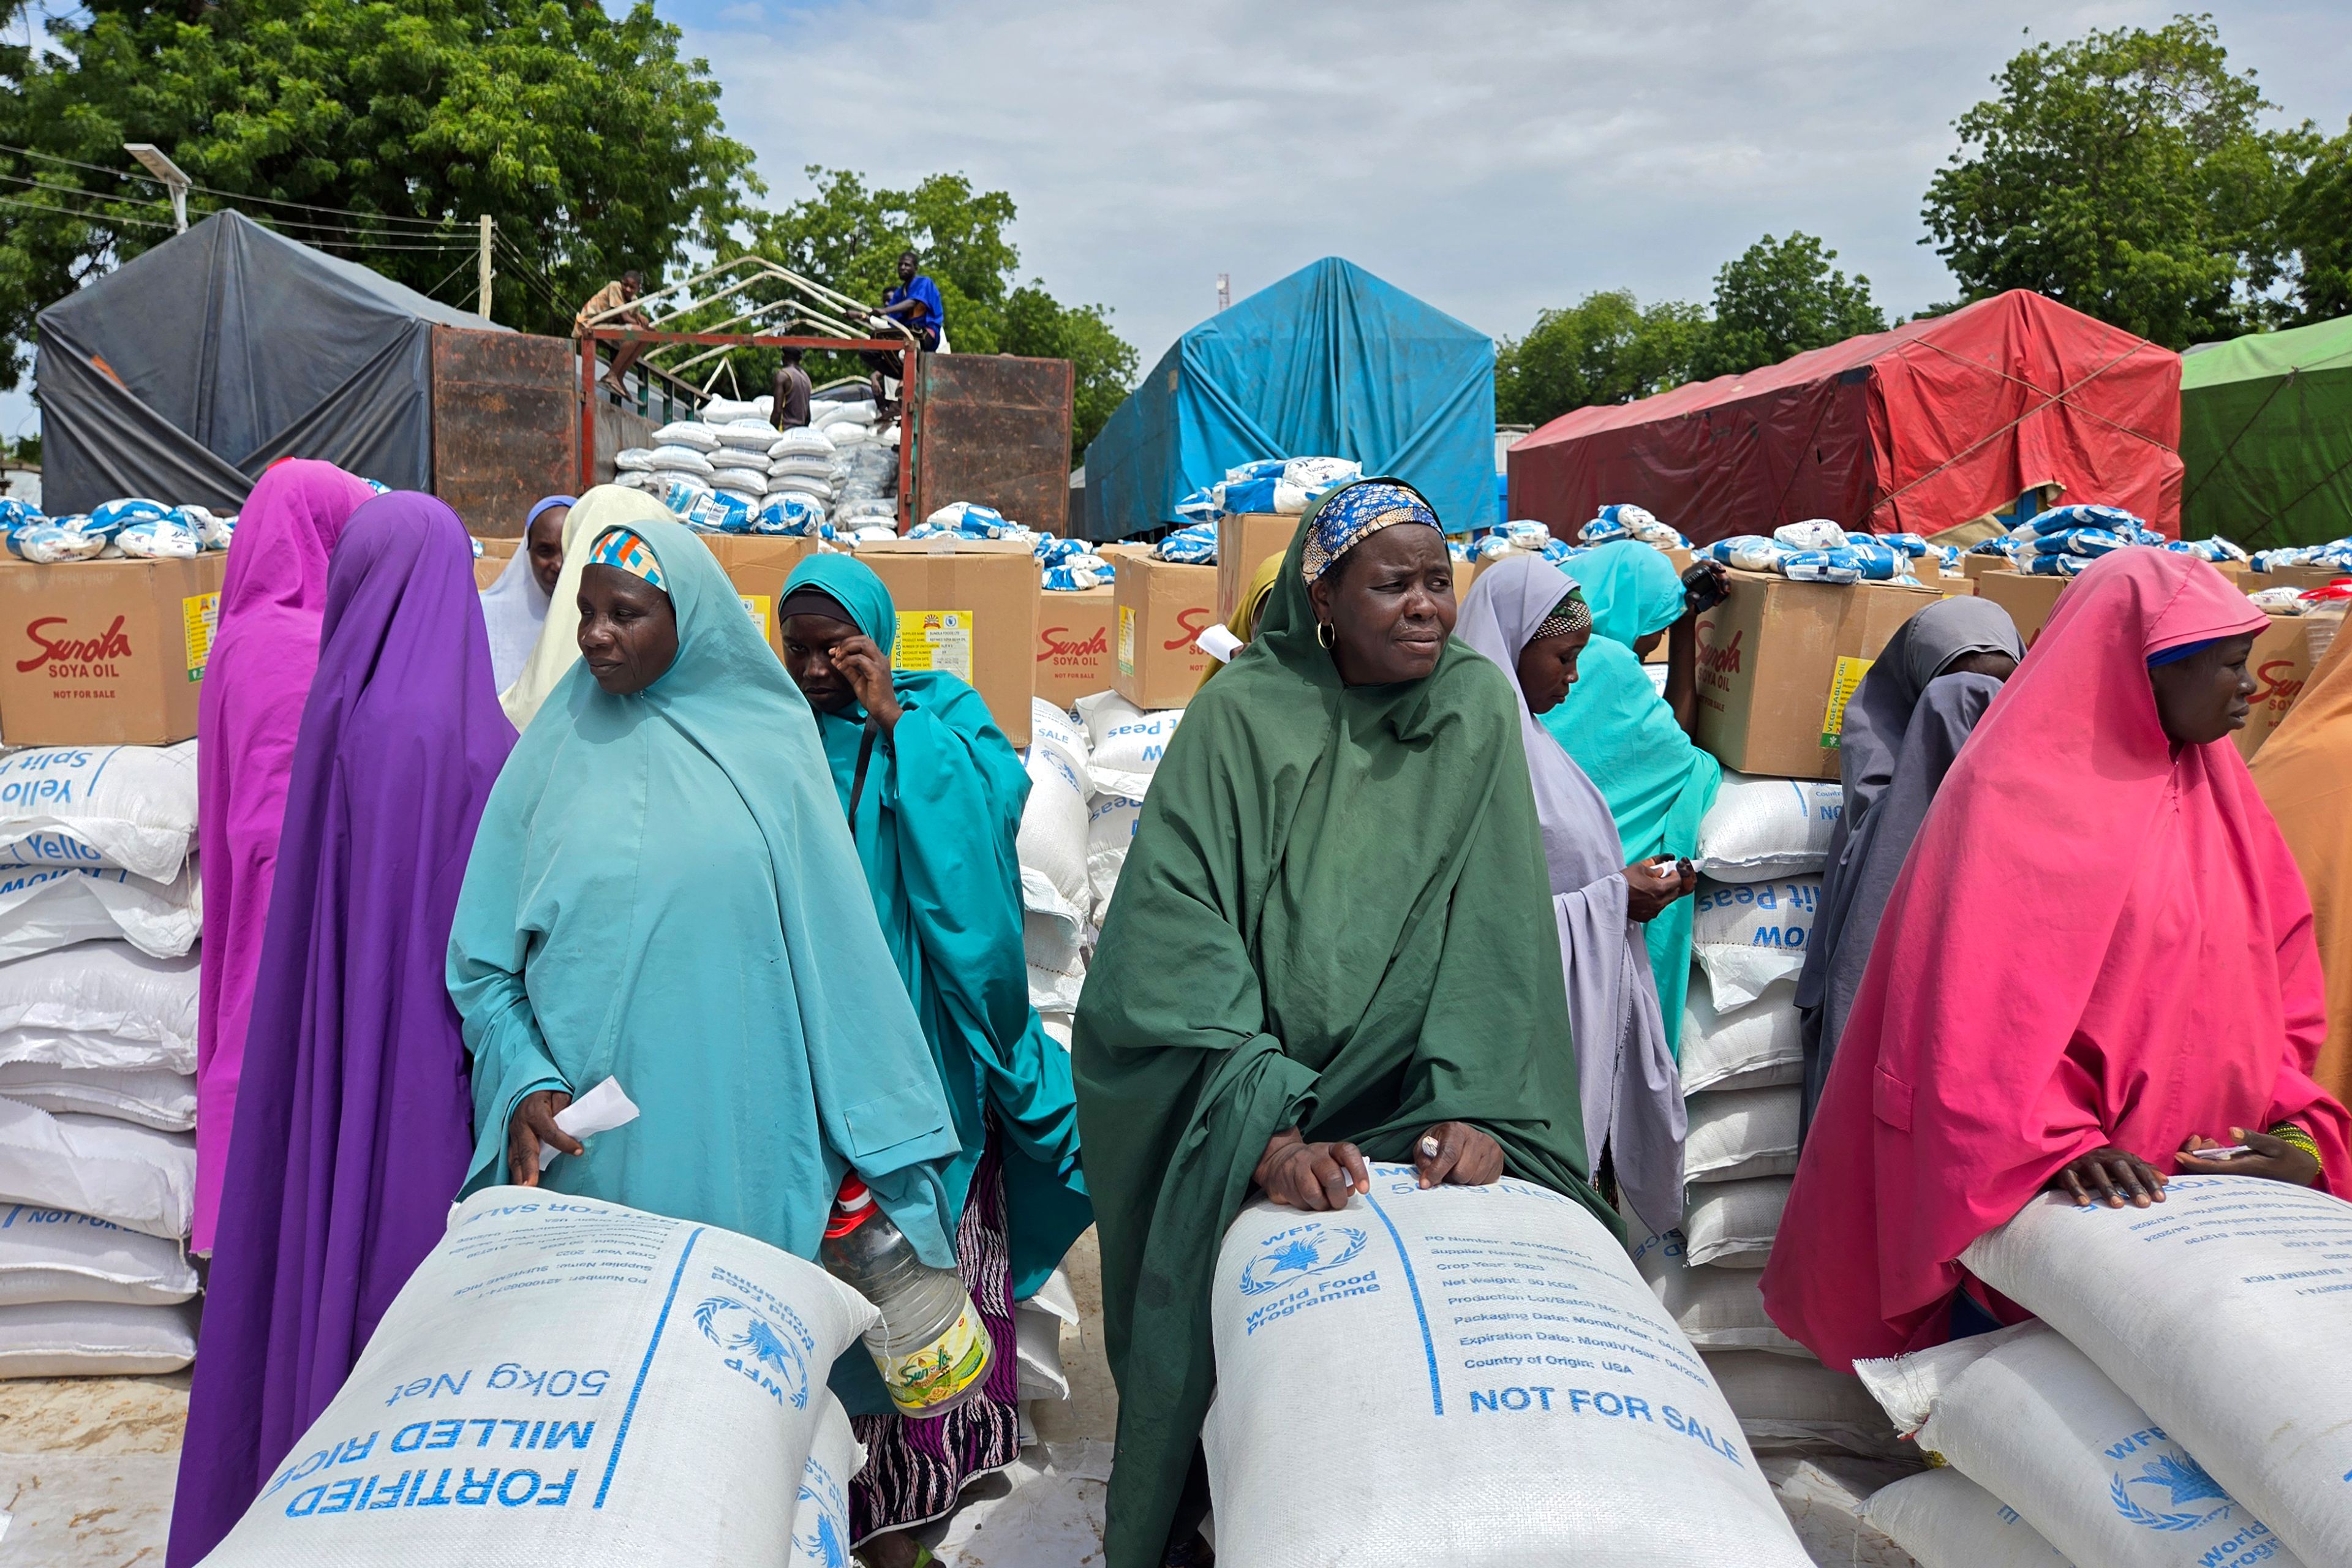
1224	290
167	174
486	273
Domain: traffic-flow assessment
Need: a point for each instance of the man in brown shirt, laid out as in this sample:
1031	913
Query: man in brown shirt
791	393
618	292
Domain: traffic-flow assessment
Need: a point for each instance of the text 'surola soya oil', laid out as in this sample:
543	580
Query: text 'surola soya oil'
930	1346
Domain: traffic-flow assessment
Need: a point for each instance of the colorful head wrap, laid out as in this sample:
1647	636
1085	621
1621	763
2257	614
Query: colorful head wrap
1570	616
621	547
1354	514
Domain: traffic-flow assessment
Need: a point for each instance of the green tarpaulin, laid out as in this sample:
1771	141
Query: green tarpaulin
2266	437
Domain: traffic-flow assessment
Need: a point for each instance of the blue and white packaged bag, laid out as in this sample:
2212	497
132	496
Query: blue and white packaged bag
1603	530
53	540
163	538
2040	565
1195	544
1202	505
2059	518
1815	533
2090	541
1840	566
789	512
1261	468
1911	544
2001	544
1748	552
1316	474
1077	573
15	513
971	519
1949	557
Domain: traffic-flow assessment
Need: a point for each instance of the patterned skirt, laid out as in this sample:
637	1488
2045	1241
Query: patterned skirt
915	1470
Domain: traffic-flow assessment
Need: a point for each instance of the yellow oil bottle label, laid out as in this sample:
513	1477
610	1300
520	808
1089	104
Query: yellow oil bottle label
939	1371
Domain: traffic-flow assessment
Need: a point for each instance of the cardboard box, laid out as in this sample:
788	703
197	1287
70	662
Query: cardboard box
1160	608
1244	540
1951	586
2292	577
106	653
2027	600
1465	574
487	569
1777	662
2281	664
1074	633
493	545
968	607
758	564
1978	566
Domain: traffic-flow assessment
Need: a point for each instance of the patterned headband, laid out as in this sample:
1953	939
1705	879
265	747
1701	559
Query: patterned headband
1354	514
620	547
1569	615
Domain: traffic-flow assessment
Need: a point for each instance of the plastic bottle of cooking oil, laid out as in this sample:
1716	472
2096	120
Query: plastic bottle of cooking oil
930	1346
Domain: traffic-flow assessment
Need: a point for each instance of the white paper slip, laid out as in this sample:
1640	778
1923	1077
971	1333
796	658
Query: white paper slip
1219	642
600	1110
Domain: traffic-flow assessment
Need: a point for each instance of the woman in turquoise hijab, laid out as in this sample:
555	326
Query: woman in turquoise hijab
933	792
1633	742
655	897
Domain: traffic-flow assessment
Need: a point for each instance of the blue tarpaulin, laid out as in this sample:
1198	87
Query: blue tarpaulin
1329	363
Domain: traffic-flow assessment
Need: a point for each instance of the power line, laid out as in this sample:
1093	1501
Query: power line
233	195
437	288
83	213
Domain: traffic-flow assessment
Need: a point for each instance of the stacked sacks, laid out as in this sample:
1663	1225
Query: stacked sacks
134	527
1519	537
1627	522
99	917
1126	744
1057	896
1282	486
1194	545
1762	849
1069	565
1818	551
800	463
2336	556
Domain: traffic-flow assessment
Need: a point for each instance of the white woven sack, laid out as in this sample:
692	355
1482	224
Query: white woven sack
1057	968
164	1100
803	442
1037	1323
100	1005
2224	1313
1576	1426
691	433
651	1383
821	1513
821	488
1716	1308
95	1339
825	416
1946	1521
1759	1046
1795	1403
737	459
634	459
677	460
1745	935
653	484
48	1255
807	468
752	435
1741	1132
2027	1417
128	806
1053	838
720	412
1731	1223
135	1176
1126	742
1110	832
1760	829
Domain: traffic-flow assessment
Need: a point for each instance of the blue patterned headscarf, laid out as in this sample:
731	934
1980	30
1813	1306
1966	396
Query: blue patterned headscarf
1351	515
621	548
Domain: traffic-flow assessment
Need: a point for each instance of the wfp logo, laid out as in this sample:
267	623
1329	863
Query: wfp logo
1296	1252
2186	1488
825	1541
776	1359
56	648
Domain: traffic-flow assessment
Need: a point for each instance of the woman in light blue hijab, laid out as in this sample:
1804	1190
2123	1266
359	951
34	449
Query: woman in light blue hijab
663	891
1627	738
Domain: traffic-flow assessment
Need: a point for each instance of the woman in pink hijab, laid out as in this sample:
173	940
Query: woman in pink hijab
2098	957
265	650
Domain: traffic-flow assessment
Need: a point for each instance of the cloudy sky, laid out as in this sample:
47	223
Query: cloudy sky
1491	156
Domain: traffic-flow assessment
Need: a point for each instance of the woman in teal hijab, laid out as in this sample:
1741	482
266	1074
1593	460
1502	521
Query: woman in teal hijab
933	792
1633	742
654	896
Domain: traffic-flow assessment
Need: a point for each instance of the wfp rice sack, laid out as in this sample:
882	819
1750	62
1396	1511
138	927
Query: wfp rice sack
1823	1496
2027	1417
164	1100
48	1255
1125	742
1110	832
2224	1312
1050	946
135	1176
1732	1223
1745	935
1053	840
95	1339
1759	1046
821	1513
1946	1521
48	907
101	1004
1736	1133
567	1381
1495	1386
1760	829
1794	1403
128	806
1715	1309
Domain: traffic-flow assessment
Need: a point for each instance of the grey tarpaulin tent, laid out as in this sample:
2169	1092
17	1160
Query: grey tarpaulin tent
187	371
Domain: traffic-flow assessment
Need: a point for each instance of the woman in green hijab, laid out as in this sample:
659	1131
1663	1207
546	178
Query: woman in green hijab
1634	742
1332	943
933	793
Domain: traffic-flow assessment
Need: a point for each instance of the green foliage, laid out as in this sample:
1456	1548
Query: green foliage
2316	226
2126	174
1604	349
593	144
1781	298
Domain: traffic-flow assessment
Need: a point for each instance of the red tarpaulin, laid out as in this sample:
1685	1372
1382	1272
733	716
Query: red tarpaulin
1915	430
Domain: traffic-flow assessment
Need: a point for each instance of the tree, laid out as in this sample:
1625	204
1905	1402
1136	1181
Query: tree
1781	298
848	237
2316	226
377	130
2126	174
1604	349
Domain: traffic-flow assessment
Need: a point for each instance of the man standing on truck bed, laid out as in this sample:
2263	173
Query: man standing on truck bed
790	399
915	304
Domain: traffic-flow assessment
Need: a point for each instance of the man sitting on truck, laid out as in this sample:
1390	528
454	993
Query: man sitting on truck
612	296
915	305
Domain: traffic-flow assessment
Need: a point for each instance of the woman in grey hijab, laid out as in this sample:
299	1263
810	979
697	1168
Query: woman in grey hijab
1922	697
1527	618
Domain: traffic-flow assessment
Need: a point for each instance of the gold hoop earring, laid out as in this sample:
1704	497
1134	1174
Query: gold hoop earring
1323	635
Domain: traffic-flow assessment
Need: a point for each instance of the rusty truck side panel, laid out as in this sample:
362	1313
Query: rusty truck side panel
505	430
994	429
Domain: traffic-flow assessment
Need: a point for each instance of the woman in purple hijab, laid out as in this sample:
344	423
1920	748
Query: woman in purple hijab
355	1117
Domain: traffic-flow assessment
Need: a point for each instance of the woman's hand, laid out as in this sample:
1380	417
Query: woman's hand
2111	1176
2274	1159
1706	585
1652	885
867	671
532	1124
1458	1152
1314	1176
